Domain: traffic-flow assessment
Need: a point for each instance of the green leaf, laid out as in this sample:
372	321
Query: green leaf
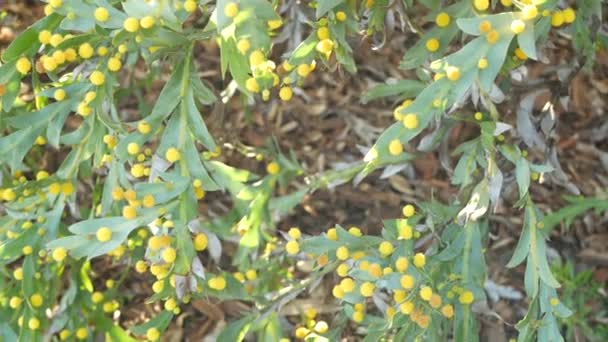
196	124
522	175
160	322
543	264
236	331
305	52
324	6
526	41
401	88
86	244
523	247
27	42
282	205
169	97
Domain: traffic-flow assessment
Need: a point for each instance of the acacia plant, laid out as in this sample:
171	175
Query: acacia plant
130	186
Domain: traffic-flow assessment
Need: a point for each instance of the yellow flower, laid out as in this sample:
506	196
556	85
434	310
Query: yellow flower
56	39
453	73
82	333
410	121
274	24
70	54
59	57
59	254
347	285
332	234
406	307
129	212
407	281
426	293
114	64
399	296
285	93
85	51
55	3
190	6
481	5
447	311
506	3
292	247
342	253
557	19
273	168
59	94
325	46
554	301
385	248
147	22
15	302
200	242
131	24
97	297
217	283
243	45
341	16
405	231
569	15
442	19
97	78
518	26
64	334
432	45
478	116
358	316
18	273
321	327
36	300
482	63
303	70
395	147
256	58
492	36
172	155
133	148
323	33
401	264
152	334
169	255
252	85
44	37
435	301
367	289
375	270
466	297
33	323
408	210
342	269
520	54
101	14
529	12
301	332
419	260
231	9
485	26
141	266
104	234
49	63
355	231
288	67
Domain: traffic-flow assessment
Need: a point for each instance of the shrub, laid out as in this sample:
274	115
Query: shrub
130	188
